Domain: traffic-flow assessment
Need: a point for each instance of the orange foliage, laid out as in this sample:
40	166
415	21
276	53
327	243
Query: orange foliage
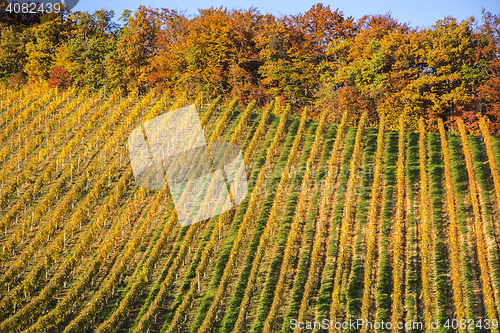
320	57
59	77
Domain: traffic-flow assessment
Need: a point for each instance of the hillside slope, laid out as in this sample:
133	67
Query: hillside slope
340	223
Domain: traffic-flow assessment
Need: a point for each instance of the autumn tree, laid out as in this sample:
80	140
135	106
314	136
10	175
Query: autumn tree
364	62
487	99
244	77
346	98
41	51
16	30
430	73
168	64
294	47
450	74
319	57
12	50
91	38
210	47
129	64
59	77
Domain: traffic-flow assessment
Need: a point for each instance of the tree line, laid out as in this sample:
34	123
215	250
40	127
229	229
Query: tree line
320	59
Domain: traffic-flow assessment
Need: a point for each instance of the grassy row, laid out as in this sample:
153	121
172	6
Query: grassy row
441	262
428	305
383	282
452	229
459	179
344	255
353	294
371	229
231	313
479	224
412	274
398	261
311	231
254	259
485	182
264	300
323	302
225	251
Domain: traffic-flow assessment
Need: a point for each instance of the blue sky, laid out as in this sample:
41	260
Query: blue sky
422	13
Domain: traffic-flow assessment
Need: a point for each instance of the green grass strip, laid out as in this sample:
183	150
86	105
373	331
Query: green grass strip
460	181
352	297
325	292
412	279
232	311
309	232
384	272
435	169
223	255
265	300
